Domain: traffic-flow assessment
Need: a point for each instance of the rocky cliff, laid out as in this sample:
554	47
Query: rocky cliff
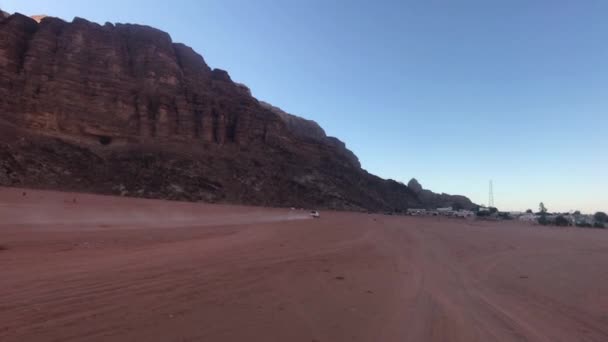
128	83
123	109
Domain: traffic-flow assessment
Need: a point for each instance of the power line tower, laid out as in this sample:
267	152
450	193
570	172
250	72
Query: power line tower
491	196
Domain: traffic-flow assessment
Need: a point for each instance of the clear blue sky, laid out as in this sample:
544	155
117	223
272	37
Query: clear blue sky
453	93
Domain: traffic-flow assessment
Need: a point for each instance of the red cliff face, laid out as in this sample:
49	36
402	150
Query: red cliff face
126	82
122	109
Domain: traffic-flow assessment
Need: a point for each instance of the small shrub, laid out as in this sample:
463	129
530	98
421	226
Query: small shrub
483	213
599	225
505	216
600	217
561	221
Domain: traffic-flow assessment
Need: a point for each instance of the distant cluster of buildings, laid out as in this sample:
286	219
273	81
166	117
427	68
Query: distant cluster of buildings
449	212
573	219
566	219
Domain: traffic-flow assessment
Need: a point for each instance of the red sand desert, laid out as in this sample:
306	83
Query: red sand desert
79	267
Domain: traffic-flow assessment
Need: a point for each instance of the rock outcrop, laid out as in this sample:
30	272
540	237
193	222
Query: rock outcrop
433	200
122	109
308	129
38	17
298	125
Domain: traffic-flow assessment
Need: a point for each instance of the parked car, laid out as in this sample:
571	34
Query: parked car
315	214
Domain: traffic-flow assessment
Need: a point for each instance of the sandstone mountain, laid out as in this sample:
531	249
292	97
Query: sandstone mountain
121	109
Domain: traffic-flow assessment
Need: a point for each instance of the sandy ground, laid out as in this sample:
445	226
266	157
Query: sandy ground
94	268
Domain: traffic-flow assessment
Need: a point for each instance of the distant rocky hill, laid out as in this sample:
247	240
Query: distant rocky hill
121	109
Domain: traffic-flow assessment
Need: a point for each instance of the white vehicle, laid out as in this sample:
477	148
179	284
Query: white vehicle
315	214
